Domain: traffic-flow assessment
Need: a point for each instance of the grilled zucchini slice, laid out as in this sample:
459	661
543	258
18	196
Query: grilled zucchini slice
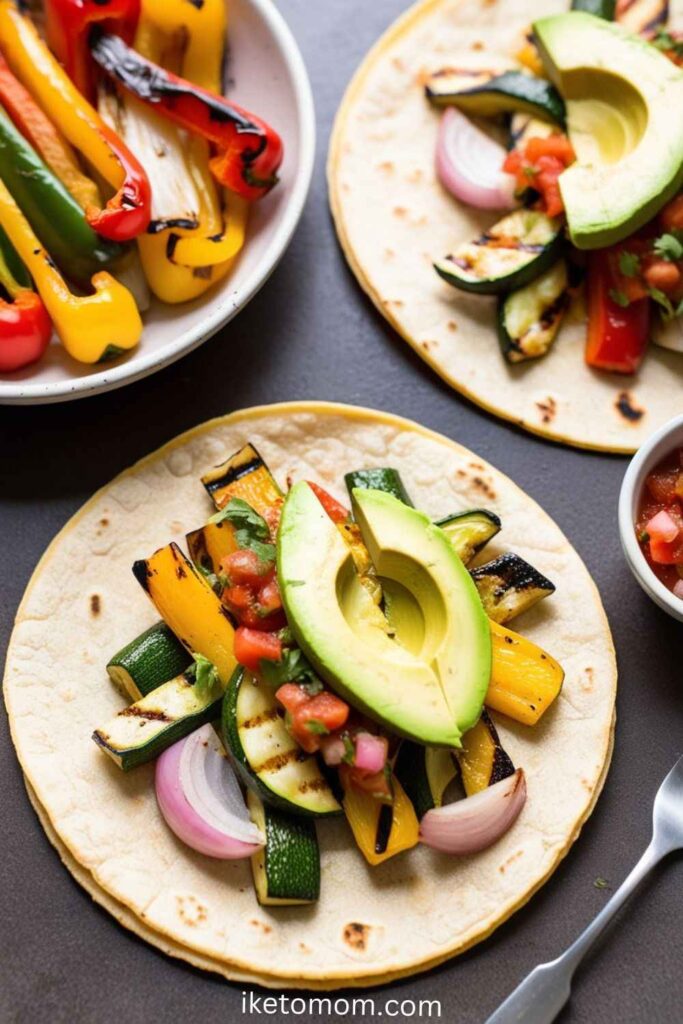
151	659
244	475
469	531
511	91
509	586
482	759
388	480
643	17
424	773
144	729
265	756
604	9
530	317
511	254
287	869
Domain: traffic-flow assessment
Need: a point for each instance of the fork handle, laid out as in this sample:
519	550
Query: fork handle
543	993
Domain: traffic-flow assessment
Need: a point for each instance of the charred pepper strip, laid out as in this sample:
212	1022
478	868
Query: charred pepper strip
127	213
249	152
40	132
221	231
68	24
25	327
52	212
91	327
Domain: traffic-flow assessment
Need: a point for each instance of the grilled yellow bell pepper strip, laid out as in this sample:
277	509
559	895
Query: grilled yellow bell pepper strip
91	327
525	680
127	213
202	255
380	830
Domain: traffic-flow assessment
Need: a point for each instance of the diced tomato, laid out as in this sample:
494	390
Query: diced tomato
244	566
325	712
292	696
238	598
253	645
557	146
666	548
664	485
269	598
377	784
334	509
539	166
671	217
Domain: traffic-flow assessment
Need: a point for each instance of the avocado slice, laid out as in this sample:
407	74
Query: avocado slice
432	693
625	120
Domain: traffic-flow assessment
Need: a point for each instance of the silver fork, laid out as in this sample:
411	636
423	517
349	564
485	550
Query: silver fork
544	992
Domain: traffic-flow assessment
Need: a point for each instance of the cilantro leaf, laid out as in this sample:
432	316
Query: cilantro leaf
319	728
205	674
349	749
621	298
217	581
668	43
629	263
670	246
291	668
251	529
664	302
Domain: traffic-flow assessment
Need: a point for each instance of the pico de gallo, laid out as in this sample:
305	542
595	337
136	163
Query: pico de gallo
659	525
316	718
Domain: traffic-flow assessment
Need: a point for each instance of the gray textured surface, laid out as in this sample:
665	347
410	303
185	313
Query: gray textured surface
310	334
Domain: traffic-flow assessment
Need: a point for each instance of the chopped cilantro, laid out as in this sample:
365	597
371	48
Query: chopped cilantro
668	43
621	298
217	581
319	728
643	537
251	529
601	883
664	302
286	637
629	263
670	246
291	668
205	674
349	749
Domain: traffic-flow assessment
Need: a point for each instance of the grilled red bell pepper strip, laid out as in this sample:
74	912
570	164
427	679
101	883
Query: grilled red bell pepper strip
25	327
248	152
127	213
68	24
618	329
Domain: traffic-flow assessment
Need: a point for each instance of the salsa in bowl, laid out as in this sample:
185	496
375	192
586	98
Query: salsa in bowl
651	517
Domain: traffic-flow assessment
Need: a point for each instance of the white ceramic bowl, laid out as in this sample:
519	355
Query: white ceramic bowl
669	437
269	78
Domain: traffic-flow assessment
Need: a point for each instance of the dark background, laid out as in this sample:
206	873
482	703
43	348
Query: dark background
310	333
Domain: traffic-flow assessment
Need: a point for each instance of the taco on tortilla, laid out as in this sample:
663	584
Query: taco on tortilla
505	180
324	753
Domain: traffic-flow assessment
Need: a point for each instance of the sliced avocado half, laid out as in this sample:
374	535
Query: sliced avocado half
432	692
625	120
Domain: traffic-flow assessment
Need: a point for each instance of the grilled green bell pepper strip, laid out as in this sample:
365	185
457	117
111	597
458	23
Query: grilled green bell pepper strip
25	327
51	210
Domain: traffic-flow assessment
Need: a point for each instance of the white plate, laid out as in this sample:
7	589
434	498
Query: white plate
269	78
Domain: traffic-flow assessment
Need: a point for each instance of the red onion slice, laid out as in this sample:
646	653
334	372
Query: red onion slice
468	164
201	800
471	825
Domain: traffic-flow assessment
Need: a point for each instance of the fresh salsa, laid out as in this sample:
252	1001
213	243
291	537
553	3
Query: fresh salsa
659	524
